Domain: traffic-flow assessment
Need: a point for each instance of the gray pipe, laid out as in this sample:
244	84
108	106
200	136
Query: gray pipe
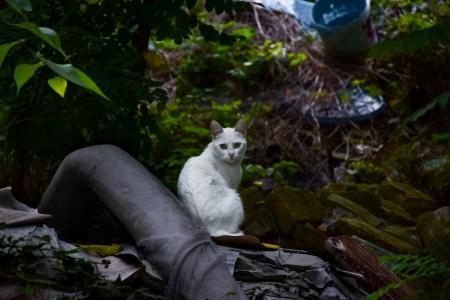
156	219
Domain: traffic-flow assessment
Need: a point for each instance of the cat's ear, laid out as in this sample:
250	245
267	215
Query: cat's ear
241	126
216	128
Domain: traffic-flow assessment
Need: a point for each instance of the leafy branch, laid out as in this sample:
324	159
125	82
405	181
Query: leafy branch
22	260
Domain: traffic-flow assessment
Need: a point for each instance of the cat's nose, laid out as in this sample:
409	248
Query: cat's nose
231	155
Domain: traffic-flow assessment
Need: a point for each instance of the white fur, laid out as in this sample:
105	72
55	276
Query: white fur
208	184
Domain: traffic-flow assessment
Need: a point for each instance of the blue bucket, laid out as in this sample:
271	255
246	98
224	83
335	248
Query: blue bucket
342	26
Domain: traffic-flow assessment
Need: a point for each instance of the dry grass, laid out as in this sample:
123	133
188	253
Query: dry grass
288	133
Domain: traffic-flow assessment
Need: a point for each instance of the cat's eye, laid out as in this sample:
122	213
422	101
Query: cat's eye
237	145
223	146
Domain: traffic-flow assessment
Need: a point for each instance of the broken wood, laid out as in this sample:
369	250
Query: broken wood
352	256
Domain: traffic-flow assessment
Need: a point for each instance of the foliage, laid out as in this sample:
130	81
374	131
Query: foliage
72	75
410	268
415	40
417	47
419	25
281	172
245	66
365	172
441	101
25	262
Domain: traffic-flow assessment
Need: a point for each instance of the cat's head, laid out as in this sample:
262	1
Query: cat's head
229	144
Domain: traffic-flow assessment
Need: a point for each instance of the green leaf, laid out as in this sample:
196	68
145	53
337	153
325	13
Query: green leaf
20	5
44	238
58	84
46	34
441	100
190	3
74	75
219	6
5	48
24	72
208	32
242	6
209	5
413	40
440	136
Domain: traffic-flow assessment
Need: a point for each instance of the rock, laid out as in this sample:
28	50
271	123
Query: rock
436	173
251	198
406	234
366	199
261	224
309	238
301	262
336	187
413	201
292	206
351	226
336	200
332	293
395	213
434	232
318	277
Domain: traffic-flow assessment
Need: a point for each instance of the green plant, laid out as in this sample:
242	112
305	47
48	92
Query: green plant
441	101
72	74
281	172
411	268
365	172
245	66
419	26
442	137
25	261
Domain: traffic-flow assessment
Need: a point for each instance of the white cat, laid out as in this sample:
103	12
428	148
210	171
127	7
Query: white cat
208	183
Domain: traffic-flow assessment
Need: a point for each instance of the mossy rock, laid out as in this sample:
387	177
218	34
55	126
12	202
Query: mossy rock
395	213
436	173
361	194
262	224
334	200
350	226
434	232
292	206
368	200
251	198
311	239
406	234
402	157
336	187
412	200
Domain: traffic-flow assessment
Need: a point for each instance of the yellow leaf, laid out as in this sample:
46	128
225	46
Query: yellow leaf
155	60
58	84
270	246
102	250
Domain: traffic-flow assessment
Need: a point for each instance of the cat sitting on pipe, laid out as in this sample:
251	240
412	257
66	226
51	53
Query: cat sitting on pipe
208	183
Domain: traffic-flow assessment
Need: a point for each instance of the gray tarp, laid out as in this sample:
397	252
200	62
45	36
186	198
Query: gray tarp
156	219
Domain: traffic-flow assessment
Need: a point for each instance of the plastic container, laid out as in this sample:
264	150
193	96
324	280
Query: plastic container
342	26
